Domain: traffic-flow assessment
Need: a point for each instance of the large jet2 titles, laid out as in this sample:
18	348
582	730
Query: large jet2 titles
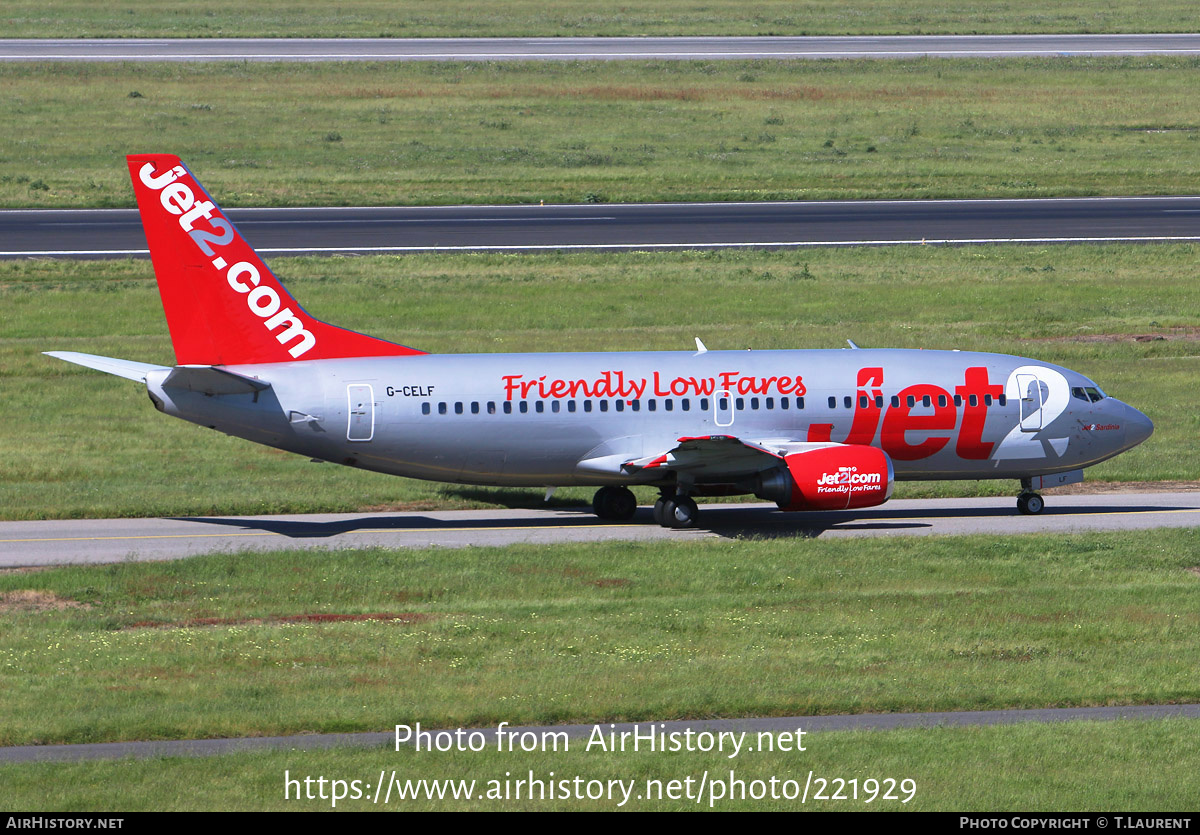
807	429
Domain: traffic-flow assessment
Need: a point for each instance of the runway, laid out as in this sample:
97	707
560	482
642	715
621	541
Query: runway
117	233
93	541
605	49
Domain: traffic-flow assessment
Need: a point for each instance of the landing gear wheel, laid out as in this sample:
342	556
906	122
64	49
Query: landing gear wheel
1030	504
679	512
616	504
659	518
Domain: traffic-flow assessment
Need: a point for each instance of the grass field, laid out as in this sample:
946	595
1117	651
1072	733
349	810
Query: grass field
290	642
287	134
475	18
1130	766
80	443
233	644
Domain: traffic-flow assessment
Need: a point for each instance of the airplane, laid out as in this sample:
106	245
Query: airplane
806	429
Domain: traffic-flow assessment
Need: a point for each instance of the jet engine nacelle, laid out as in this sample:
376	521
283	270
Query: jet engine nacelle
836	477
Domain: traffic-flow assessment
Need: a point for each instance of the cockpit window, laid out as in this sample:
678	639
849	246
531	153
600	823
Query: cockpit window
1089	394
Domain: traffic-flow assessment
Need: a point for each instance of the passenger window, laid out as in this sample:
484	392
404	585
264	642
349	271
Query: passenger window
895	401
570	405
620	404
741	404
604	405
783	402
770	402
753	402
491	407
685	404
539	407
442	408
474	407
833	402
587	405
555	406
669	405
425	408
508	407
524	407
651	405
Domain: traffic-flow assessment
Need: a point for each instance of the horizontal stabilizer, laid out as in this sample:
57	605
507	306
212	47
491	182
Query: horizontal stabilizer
209	380
128	369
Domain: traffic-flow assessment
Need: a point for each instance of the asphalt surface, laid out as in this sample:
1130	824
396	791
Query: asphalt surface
116	233
564	49
751	727
112	540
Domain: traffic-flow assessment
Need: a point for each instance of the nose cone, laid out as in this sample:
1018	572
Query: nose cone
1138	427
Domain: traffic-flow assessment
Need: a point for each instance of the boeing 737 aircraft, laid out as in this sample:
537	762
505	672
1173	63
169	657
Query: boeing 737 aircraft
807	429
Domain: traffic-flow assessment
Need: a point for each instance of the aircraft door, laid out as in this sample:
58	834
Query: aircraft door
1033	398
361	426
723	412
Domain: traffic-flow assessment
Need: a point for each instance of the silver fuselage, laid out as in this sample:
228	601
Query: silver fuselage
563	419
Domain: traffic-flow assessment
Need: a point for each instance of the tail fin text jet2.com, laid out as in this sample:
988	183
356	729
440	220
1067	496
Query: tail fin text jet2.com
810	430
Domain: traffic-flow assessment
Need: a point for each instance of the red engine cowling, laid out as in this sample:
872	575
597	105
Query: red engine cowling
838	477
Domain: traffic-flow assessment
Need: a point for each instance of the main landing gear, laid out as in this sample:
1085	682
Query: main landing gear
618	504
676	511
615	504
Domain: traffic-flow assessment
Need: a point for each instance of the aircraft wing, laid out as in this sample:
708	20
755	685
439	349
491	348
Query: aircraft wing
716	457
796	475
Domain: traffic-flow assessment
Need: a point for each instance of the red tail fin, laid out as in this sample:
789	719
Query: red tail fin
223	305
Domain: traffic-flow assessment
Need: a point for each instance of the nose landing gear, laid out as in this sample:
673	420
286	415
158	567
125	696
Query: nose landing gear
1029	503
